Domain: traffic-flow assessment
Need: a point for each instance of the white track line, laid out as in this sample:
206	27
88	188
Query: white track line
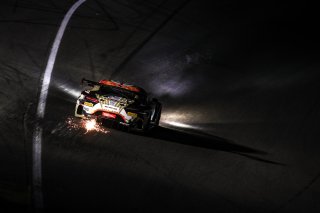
37	135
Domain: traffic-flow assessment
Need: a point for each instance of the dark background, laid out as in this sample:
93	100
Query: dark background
239	86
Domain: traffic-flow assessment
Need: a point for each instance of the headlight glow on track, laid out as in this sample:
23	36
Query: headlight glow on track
177	119
178	124
65	87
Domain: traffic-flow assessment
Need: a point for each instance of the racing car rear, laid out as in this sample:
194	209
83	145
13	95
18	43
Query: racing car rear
119	103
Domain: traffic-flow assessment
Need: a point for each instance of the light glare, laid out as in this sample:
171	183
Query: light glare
178	124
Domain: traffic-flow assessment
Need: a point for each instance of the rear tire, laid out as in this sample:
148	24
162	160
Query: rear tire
155	121
159	115
140	127
78	112
146	127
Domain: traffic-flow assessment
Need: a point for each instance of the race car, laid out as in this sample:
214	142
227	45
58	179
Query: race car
121	103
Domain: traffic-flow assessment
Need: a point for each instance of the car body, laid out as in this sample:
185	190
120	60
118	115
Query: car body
125	104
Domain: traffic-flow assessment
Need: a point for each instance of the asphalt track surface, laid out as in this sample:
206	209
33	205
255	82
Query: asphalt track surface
240	91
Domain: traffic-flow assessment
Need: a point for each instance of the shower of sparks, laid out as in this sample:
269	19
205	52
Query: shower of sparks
86	124
90	125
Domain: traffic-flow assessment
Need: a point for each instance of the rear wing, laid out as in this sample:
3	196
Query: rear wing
89	82
112	83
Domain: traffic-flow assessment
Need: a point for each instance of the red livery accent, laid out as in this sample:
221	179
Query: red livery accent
131	88
92	99
109	115
109	83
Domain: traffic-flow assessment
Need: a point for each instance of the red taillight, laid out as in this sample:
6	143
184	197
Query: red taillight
109	115
92	99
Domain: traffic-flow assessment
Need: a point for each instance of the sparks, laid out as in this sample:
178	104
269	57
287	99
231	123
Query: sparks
92	125
88	125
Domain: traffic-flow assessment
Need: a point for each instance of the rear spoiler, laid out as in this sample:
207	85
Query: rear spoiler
113	83
89	82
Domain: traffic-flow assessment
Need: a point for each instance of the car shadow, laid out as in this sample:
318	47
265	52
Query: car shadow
204	140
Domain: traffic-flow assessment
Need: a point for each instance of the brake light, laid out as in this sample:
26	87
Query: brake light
92	99
109	115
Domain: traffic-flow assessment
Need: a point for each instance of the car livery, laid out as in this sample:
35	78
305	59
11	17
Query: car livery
122	103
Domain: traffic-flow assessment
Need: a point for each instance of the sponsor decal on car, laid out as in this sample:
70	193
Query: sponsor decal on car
88	104
133	115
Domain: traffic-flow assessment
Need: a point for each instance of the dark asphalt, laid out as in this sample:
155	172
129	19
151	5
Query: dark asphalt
240	89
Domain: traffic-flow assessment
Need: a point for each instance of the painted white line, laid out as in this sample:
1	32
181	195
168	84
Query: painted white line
37	135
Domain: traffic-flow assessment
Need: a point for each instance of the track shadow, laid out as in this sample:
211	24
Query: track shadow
204	140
